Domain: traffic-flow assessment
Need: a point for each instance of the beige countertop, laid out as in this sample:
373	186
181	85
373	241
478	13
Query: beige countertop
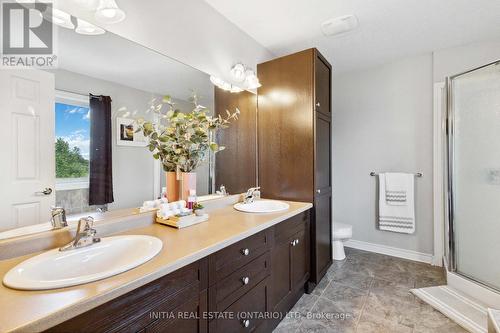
32	311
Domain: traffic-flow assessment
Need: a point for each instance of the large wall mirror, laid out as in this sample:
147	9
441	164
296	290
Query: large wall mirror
101	86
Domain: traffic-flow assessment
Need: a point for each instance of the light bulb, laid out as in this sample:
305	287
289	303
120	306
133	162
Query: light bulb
109	13
238	72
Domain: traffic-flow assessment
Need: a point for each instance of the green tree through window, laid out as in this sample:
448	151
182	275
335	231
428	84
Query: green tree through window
69	161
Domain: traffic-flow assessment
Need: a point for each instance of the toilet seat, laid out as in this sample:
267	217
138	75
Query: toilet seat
341	231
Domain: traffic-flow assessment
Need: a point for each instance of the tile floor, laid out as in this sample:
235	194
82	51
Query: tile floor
367	293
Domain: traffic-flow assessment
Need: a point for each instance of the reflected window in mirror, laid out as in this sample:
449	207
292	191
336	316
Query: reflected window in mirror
72	144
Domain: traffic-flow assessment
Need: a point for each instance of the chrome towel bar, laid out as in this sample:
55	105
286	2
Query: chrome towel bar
418	174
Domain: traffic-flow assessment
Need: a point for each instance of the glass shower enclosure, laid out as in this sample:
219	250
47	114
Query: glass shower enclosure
473	123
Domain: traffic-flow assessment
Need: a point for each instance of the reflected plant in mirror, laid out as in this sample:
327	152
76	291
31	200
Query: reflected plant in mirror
182	141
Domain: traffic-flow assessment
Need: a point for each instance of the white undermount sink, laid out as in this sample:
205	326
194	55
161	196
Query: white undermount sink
262	206
55	269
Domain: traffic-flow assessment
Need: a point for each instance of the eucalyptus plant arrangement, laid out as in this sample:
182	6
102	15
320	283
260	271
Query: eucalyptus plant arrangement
182	141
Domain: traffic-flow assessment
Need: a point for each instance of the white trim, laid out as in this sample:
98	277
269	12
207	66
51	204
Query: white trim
157	170
438	172
466	286
459	308
71	98
71	183
390	251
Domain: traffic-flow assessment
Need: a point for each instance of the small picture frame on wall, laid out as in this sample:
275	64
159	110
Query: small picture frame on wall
126	134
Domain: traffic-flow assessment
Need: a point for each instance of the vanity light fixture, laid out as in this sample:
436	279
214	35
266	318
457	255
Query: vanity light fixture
238	72
61	19
108	12
235	89
251	80
220	83
86	28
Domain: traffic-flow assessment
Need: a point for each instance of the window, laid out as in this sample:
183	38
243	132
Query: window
72	141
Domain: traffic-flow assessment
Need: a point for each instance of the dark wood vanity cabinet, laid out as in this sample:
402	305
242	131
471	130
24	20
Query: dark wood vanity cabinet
290	262
159	306
235	289
294	121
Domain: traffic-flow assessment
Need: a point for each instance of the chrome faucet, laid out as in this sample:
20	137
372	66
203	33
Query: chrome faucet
85	235
250	195
58	219
222	191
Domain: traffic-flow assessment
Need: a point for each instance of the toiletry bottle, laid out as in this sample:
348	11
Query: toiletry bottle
163	192
191	199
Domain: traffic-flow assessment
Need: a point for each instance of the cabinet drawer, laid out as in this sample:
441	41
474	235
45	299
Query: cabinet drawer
229	289
131	312
286	229
252	304
230	259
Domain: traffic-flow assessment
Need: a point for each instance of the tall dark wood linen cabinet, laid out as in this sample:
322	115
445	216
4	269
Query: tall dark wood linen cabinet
294	142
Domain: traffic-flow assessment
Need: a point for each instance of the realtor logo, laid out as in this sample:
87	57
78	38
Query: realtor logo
27	36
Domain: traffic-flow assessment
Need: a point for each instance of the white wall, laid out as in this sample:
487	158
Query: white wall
459	59
382	121
190	31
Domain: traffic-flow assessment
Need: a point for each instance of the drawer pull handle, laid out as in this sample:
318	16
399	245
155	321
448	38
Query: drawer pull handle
294	242
245	252
245	280
297	241
245	323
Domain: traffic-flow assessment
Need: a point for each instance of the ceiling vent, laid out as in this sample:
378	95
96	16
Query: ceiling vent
339	25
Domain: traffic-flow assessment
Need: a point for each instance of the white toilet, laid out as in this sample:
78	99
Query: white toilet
341	233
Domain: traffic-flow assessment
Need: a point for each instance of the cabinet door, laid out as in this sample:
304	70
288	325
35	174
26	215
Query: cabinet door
281	273
322	83
322	226
300	259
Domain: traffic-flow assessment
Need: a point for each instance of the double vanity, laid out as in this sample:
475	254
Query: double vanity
239	271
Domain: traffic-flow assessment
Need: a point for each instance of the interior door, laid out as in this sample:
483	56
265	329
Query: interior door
27	173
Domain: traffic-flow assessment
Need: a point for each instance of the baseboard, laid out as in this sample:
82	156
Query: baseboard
391	251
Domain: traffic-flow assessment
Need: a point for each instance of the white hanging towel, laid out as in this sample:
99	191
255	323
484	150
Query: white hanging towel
399	217
396	188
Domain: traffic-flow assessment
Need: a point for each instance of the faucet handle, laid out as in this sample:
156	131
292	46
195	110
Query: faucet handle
58	219
252	189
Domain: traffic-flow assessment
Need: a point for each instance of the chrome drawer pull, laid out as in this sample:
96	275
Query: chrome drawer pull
297	241
245	252
245	323
245	280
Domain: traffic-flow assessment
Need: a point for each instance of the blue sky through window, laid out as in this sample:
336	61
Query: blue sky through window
73	125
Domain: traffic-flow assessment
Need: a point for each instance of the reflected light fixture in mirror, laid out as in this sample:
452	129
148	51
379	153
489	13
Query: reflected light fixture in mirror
224	85
61	19
86	28
108	12
238	72
251	80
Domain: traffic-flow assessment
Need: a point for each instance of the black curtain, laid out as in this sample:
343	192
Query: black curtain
101	167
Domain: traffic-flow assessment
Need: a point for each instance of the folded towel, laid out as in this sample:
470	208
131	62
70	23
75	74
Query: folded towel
396	188
397	218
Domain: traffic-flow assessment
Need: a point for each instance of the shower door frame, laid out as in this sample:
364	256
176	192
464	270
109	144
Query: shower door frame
451	259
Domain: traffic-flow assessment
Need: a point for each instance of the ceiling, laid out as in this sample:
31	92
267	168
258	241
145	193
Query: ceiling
388	29
116	59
